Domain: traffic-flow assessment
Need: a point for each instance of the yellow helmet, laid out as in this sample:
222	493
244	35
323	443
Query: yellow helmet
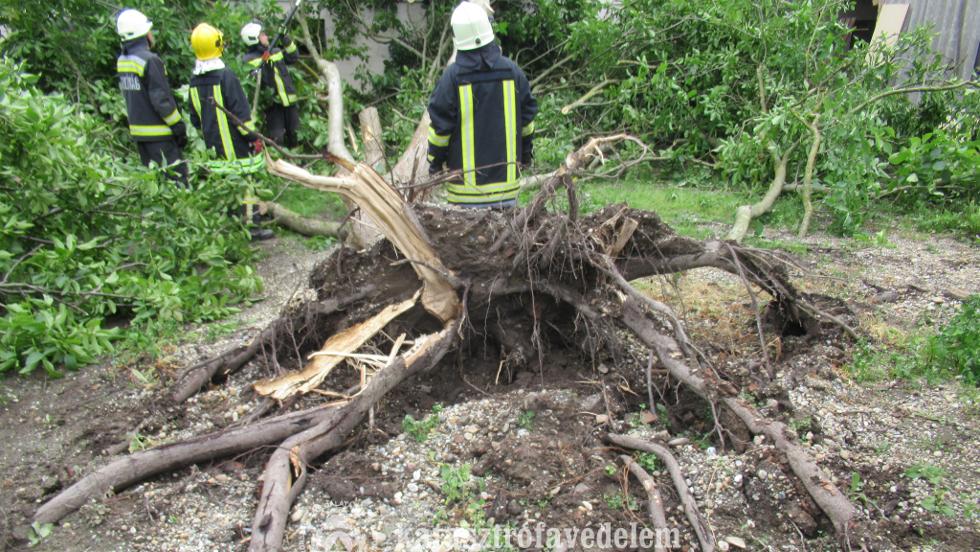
207	42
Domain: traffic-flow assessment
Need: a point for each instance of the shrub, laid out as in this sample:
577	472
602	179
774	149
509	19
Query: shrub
90	235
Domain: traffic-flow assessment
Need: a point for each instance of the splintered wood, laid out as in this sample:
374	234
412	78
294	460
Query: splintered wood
338	348
397	221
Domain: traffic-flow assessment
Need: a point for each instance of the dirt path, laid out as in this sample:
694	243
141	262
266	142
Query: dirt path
500	456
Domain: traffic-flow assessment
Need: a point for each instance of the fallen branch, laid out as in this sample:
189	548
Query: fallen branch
745	213
306	226
811	162
585	97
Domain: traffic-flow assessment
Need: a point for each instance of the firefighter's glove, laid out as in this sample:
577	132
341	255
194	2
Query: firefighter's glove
180	135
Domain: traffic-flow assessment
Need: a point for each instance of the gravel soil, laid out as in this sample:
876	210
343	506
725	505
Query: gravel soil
487	457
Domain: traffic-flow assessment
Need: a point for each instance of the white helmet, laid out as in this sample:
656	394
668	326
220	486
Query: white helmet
471	27
132	24
485	4
250	34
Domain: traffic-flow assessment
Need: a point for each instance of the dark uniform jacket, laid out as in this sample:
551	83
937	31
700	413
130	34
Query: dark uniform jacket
482	115
275	74
230	141
150	104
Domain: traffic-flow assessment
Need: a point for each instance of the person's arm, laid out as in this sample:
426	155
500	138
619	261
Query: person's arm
290	52
195	107
444	115
237	103
529	108
161	97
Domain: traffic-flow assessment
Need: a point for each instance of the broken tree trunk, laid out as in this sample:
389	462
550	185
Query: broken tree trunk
374	149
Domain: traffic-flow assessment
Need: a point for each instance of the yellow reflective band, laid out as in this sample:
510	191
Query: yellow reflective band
528	129
481	189
223	125
245	165
129	67
510	129
466	128
249	126
255	62
150	130
431	157
281	87
291	48
487	193
276	57
196	101
438	140
173	118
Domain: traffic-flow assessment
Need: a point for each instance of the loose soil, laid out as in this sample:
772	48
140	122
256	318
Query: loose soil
531	441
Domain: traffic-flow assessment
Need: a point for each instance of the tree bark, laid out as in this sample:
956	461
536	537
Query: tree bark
745	213
306	226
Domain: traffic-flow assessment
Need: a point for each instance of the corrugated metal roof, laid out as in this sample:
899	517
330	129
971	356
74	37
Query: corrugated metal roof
957	24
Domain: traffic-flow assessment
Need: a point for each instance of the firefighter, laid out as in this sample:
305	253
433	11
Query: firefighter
282	116
482	115
237	146
154	120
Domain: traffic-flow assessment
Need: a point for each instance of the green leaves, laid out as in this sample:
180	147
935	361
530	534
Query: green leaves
89	234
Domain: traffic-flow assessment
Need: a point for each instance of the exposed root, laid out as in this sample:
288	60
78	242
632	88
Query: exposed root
701	529
129	470
286	472
655	503
831	500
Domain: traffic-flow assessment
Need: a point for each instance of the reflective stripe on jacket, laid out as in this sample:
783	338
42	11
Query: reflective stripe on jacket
150	105
275	74
221	87
482	115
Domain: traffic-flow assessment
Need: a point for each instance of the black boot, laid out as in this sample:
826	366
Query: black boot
260	234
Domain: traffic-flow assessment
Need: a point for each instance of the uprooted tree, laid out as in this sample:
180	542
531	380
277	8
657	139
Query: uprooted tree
447	280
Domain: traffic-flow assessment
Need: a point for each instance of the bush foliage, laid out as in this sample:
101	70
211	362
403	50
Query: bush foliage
89	236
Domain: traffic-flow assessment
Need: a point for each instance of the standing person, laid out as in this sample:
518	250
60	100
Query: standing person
482	115
213	86
154	120
282	117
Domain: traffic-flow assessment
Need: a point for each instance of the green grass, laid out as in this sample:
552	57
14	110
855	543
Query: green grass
949	354
964	223
691	209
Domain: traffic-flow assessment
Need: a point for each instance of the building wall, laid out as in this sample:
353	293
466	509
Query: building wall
957	23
